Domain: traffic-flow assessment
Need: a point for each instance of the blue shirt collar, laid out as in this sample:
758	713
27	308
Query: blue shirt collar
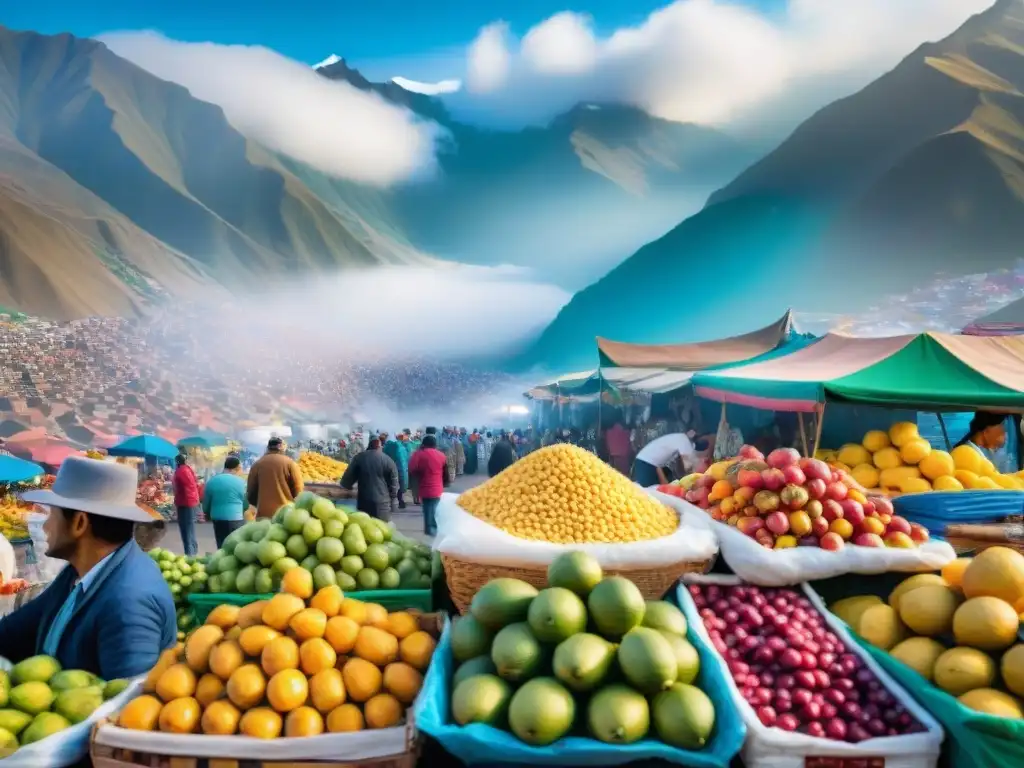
94	572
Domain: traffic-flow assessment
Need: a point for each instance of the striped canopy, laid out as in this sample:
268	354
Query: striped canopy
929	371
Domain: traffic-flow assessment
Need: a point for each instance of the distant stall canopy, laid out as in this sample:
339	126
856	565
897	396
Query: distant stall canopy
929	371
575	386
699	355
1005	321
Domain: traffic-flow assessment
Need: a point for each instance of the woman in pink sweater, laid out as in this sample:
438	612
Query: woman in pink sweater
430	467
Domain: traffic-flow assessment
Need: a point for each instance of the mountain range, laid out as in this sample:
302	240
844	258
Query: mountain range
118	189
919	174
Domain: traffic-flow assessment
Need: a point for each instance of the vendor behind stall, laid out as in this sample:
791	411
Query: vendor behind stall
109	611
987	435
657	457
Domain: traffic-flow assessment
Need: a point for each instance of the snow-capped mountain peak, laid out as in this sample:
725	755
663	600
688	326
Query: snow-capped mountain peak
428	89
332	59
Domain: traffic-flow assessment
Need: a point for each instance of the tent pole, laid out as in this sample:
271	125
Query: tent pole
945	434
803	432
820	412
600	404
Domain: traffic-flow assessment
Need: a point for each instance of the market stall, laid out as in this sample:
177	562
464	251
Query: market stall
929	372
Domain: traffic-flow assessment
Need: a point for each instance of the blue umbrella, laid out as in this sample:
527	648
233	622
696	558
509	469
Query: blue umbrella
146	447
15	470
204	439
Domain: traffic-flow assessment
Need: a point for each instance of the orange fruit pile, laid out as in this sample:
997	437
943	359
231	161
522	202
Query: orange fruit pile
299	664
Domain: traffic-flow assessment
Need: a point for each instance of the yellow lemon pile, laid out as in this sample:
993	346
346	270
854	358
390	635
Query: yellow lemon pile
299	664
317	468
566	495
901	460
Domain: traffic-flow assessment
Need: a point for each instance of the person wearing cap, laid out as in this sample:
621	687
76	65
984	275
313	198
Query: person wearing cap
109	611
274	480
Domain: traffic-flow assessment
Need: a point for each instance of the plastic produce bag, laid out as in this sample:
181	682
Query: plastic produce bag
785	567
69	746
976	740
462	535
774	748
478	744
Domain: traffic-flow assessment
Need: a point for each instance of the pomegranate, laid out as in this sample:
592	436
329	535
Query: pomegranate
832	510
816	488
766	501
750	452
899	524
869	540
836	490
781	458
749	478
816	469
852	511
794	475
778	523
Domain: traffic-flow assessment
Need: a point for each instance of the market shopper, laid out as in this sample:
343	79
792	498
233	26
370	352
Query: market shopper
430	468
186	502
398	452
617	442
225	500
659	455
503	455
274	480
375	478
109	611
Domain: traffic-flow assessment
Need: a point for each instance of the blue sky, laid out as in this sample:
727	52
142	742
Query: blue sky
377	35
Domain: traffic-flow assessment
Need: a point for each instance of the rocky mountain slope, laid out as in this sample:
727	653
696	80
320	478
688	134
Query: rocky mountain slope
919	174
117	188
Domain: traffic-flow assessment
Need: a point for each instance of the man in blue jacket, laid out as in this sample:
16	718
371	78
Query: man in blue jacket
109	611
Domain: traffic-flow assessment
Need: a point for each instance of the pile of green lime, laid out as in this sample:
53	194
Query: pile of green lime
185	575
38	699
349	549
586	656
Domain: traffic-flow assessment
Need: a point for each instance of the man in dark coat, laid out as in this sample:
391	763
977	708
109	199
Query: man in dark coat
503	455
376	479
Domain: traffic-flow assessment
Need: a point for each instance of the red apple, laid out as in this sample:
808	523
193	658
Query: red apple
816	488
919	533
899	540
819	526
883	505
794	475
832	510
869	540
750	525
777	523
899	524
852	511
816	469
773	479
750	478
833	542
813	508
750	452
781	458
836	490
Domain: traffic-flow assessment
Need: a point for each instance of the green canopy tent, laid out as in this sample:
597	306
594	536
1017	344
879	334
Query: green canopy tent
928	372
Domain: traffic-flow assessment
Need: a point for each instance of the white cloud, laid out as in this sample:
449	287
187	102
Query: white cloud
489	59
428	89
286	106
707	61
332	59
398	312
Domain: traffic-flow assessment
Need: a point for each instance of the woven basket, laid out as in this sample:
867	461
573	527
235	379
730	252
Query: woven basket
465	578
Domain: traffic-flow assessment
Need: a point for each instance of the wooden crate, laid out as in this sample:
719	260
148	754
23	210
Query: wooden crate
975	538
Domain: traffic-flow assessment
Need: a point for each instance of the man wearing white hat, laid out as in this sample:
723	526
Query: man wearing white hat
109	611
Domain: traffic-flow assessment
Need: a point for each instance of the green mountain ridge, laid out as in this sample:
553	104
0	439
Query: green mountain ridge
919	174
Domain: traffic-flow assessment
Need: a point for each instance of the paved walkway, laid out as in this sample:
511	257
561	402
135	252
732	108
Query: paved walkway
409	522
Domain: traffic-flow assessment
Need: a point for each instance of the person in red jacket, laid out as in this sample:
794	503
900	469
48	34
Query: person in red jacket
186	501
430	467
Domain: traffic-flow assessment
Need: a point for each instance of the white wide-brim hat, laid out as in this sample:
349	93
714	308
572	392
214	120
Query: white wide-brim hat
97	487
